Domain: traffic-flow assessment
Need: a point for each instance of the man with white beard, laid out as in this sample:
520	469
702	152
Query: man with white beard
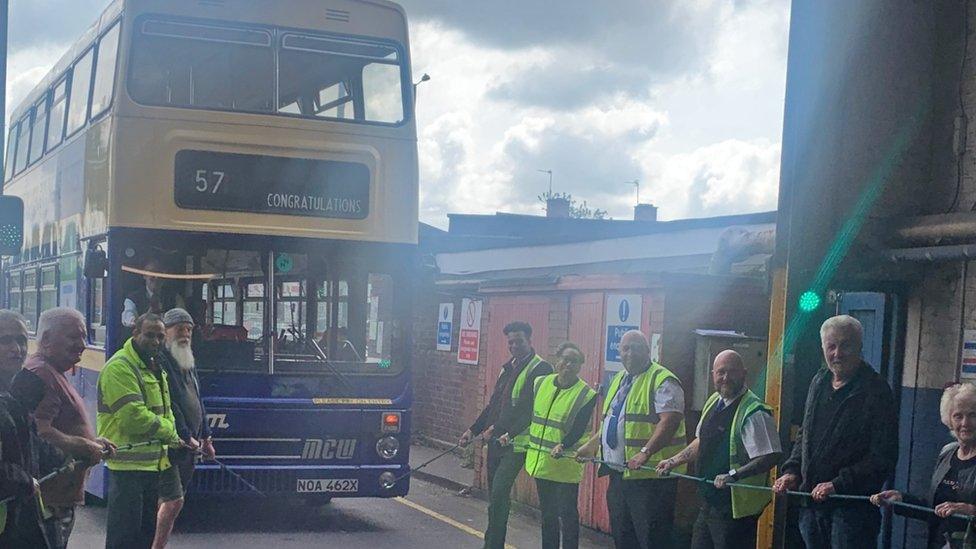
188	411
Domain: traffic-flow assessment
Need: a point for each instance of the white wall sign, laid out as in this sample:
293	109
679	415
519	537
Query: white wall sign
623	314
445	326
656	347
469	338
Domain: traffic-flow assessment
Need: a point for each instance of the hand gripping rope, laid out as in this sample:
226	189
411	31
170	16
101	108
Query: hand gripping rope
620	466
71	465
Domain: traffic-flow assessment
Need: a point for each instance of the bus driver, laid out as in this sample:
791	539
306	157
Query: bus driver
153	297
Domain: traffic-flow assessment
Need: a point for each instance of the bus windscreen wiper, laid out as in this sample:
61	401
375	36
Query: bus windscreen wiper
332	367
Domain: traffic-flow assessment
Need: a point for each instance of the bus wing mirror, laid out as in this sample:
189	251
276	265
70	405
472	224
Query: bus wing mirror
11	225
96	263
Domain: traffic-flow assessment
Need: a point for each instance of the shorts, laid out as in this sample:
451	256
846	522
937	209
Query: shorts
184	461
170	488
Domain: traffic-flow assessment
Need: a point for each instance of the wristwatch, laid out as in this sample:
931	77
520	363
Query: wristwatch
645	450
733	475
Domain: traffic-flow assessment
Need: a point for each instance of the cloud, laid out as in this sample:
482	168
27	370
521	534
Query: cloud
39	22
729	177
26	67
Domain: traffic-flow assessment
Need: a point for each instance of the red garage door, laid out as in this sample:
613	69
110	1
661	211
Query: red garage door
501	311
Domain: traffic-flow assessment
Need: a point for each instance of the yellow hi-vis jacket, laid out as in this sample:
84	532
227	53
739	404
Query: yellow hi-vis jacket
640	419
554	412
521	440
745	502
133	407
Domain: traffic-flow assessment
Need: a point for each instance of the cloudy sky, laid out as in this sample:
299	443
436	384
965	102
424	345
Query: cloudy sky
685	96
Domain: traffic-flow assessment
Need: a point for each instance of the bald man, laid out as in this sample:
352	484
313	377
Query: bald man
736	442
13	346
643	424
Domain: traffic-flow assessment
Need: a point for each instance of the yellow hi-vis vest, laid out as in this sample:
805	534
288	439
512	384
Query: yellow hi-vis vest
521	440
640	419
134	406
554	412
745	502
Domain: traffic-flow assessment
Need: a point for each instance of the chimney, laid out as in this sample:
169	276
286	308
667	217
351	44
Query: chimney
645	212
557	207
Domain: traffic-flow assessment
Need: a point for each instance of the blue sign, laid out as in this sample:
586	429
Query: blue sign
623	314
614	335
443	333
445	326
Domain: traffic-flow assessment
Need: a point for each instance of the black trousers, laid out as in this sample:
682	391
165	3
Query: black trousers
557	502
840	526
503	468
716	529
641	512
132	500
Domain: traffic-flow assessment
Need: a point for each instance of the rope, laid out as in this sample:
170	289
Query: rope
845	497
70	466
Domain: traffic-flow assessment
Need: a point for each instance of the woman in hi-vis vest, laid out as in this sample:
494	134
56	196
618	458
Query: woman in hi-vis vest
562	410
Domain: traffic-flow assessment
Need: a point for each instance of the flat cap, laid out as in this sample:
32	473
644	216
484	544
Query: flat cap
176	316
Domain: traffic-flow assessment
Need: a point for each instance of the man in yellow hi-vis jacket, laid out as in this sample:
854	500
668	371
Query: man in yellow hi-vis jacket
736	442
643	423
134	407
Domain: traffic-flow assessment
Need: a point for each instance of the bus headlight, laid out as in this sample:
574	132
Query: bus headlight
388	447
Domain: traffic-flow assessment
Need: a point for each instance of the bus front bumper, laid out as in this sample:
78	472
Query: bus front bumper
312	482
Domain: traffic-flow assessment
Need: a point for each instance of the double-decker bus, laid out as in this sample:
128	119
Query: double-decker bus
255	162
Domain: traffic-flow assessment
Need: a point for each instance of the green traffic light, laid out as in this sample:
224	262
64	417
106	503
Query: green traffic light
809	301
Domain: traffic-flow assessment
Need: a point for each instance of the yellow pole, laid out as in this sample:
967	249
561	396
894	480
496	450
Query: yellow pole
765	533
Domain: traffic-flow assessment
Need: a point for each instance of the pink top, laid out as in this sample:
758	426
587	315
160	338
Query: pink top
62	409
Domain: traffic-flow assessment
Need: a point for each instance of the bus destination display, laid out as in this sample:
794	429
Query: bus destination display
207	180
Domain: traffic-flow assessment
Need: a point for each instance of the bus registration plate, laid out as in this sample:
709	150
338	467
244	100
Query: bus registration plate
334	485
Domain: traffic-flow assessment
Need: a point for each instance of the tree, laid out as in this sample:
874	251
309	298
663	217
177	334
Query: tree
577	210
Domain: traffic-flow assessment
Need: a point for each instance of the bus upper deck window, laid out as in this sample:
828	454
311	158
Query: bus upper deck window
346	79
11	152
80	88
23	144
37	131
104	86
55	128
203	66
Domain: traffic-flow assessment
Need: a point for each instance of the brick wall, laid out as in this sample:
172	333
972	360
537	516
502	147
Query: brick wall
447	395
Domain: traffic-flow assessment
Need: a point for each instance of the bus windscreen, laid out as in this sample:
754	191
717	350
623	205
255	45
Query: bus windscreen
313	315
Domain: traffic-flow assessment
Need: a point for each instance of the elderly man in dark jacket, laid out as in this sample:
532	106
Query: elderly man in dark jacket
24	457
848	443
188	412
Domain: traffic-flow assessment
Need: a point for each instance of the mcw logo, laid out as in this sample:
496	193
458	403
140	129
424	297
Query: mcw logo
330	448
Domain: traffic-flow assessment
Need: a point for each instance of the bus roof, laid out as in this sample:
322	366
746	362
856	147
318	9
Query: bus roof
87	38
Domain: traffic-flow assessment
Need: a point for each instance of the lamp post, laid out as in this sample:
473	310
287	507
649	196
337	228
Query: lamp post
550	180
4	4
423	79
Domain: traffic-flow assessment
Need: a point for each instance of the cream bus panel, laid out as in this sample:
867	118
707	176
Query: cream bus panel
146	151
363	18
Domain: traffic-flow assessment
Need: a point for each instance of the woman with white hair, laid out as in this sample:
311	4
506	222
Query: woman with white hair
953	487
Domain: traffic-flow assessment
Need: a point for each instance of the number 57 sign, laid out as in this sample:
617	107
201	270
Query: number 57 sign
469	339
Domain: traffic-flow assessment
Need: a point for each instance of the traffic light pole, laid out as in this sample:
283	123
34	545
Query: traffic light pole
4	4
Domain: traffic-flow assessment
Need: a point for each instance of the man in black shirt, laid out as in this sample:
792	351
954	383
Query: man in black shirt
510	400
848	443
736	442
